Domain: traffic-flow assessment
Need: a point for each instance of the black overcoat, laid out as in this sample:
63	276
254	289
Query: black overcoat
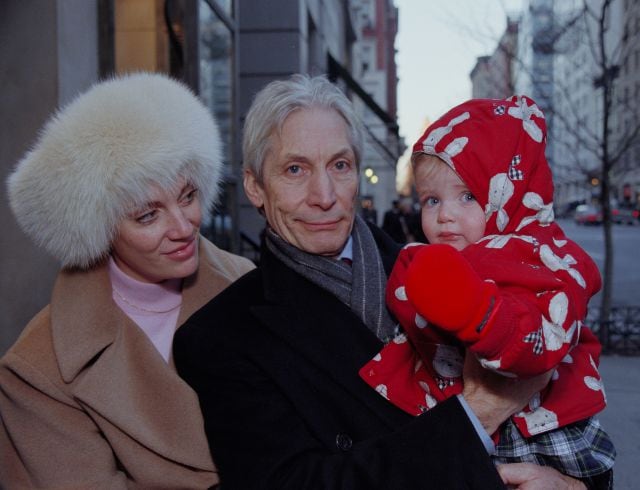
275	359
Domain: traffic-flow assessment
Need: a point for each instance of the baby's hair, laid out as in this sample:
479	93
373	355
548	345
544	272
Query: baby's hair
424	159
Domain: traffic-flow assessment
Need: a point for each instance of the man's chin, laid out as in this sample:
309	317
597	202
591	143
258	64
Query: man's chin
326	247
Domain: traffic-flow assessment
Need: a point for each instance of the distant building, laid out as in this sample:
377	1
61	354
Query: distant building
533	70
533	75
627	173
579	108
492	76
578	101
374	66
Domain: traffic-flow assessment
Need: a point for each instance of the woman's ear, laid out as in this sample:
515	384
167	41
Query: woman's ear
253	189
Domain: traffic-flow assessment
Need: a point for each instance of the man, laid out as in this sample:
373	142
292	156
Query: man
275	358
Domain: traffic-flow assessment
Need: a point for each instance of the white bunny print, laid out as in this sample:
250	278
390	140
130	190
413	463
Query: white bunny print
524	112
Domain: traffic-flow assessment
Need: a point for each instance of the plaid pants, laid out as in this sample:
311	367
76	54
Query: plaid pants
582	450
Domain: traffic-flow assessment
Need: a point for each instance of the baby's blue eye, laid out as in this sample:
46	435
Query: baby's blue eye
469	197
431	201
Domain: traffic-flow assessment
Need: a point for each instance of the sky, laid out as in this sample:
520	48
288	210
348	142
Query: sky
437	45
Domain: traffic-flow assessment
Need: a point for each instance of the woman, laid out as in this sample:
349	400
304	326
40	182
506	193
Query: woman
115	188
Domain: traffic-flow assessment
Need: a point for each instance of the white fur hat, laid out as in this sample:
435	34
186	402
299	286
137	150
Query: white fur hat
97	159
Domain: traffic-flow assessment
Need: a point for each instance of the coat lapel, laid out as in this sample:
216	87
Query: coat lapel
114	370
312	320
129	386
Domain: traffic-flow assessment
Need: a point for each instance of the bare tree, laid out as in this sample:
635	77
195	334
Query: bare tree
606	36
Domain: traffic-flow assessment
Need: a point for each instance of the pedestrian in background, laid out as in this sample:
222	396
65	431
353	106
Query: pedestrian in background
369	212
394	223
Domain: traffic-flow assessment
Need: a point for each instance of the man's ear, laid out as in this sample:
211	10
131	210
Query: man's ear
253	189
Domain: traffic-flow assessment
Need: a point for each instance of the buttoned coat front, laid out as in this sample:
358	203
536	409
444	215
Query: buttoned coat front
87	401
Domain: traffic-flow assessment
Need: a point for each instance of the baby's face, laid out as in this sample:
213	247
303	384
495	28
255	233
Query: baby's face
450	213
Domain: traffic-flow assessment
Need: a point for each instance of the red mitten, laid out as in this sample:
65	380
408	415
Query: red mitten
443	287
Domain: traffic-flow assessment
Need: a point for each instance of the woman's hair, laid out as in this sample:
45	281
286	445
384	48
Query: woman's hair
276	101
100	157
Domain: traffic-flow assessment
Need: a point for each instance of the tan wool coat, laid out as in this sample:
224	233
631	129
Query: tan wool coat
87	402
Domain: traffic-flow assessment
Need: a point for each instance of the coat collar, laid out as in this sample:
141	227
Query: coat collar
313	320
114	369
85	320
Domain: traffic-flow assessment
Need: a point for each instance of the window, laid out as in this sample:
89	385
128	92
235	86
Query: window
140	37
216	67
225	5
216	82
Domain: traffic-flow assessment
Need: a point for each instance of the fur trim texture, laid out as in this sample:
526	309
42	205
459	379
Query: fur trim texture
97	159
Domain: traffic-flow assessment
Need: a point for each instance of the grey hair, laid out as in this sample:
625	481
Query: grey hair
277	100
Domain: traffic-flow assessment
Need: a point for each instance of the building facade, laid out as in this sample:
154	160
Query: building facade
533	73
374	66
627	172
578	106
584	69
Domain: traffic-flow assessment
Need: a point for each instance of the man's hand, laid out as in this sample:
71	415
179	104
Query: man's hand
494	398
528	476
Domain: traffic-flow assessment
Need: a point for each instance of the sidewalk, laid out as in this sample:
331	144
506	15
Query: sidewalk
621	418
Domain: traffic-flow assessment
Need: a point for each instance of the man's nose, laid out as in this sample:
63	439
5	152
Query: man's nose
322	190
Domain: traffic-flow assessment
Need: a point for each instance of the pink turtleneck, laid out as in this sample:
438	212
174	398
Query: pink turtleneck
153	307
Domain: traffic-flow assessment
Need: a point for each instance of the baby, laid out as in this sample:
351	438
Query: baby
500	280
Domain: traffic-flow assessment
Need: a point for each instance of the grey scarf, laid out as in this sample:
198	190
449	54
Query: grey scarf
360	286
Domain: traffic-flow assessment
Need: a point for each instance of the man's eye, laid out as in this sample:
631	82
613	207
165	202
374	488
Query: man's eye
294	169
342	165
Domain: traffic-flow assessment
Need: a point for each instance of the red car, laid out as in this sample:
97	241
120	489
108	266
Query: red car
624	216
587	214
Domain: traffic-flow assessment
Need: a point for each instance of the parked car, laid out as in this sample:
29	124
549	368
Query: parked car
587	214
624	216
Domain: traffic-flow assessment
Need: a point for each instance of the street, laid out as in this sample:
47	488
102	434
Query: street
621	418
626	266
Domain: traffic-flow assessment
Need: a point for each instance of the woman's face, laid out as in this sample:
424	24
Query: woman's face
160	240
